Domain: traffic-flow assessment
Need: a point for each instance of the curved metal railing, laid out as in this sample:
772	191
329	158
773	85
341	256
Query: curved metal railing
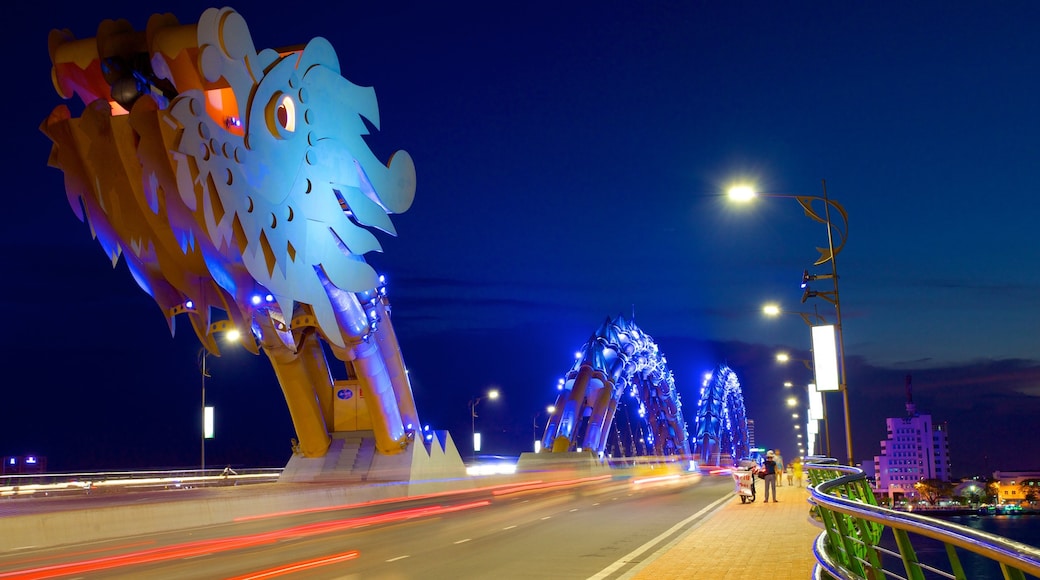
853	544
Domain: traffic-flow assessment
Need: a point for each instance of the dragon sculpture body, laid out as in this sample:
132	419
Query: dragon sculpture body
721	420
618	358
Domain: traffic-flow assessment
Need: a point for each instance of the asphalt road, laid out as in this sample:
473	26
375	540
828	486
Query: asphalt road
604	529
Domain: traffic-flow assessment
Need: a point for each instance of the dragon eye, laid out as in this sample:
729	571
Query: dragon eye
282	114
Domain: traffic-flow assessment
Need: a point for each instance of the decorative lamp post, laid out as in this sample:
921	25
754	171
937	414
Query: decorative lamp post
745	193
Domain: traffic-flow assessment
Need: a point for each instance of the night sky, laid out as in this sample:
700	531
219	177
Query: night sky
571	159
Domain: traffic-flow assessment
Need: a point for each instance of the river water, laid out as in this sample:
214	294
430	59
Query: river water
1020	528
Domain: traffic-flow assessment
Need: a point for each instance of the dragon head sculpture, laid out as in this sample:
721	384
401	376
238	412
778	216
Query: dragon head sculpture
229	177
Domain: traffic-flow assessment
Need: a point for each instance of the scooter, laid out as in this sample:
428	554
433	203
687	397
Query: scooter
745	482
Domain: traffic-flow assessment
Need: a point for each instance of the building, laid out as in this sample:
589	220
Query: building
916	448
751	433
1017	487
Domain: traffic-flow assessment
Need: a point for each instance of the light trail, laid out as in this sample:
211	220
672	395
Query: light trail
298	566
207	547
375	502
538	485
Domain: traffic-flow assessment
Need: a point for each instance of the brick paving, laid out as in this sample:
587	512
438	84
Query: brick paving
741	541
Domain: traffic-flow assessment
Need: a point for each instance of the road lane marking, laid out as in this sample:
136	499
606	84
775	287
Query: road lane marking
509	527
574	510
546	517
462	541
397	558
627	558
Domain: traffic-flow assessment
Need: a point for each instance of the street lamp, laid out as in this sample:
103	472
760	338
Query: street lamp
491	395
774	310
823	407
744	193
231	335
537	441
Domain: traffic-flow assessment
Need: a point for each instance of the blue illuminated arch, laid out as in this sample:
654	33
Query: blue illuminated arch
721	421
619	358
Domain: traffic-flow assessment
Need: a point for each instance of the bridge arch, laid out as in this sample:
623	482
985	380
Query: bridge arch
618	359
721	420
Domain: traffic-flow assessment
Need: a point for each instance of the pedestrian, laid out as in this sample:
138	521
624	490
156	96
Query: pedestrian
789	472
798	472
769	475
779	467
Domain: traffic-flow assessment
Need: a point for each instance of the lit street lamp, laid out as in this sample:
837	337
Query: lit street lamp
773	310
826	426
744	193
232	335
537	441
492	395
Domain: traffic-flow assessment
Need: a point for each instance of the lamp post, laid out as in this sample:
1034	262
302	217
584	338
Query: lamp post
492	395
744	193
534	424
774	310
207	419
203	356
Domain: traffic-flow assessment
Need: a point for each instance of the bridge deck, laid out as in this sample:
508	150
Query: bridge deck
754	541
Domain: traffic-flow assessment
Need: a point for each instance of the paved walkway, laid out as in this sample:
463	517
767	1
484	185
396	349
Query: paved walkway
741	541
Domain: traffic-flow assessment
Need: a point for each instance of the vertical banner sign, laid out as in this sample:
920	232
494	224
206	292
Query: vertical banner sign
825	358
815	403
207	423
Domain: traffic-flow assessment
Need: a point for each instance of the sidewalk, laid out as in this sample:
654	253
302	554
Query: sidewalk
739	541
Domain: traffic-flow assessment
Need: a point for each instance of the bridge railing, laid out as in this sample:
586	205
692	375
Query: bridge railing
862	540
54	484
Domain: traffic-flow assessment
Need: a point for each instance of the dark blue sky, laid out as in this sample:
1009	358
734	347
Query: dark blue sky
570	160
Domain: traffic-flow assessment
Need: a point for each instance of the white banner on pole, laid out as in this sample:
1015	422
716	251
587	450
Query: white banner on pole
825	358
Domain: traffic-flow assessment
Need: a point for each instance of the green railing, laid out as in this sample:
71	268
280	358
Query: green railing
852	545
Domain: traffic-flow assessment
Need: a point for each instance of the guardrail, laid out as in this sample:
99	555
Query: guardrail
862	540
49	484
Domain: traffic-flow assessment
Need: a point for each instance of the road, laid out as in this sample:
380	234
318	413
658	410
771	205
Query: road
593	529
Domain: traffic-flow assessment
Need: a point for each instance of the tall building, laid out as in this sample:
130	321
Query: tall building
916	448
751	433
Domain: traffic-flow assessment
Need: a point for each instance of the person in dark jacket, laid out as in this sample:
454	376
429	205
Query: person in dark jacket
769	475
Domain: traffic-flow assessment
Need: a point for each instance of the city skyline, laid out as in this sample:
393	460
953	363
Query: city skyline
571	166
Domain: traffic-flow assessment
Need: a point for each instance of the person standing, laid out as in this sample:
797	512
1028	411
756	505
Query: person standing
779	467
769	475
798	472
